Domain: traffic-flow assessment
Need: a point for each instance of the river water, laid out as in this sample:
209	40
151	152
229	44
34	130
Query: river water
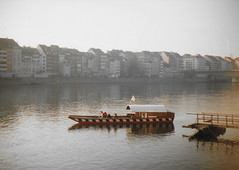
36	133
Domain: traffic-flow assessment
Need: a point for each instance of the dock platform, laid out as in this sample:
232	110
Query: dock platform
215	119
211	125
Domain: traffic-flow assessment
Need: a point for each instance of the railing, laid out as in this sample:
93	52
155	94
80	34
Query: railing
226	120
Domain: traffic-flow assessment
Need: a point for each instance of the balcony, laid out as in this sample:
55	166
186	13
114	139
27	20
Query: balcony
3	69
3	59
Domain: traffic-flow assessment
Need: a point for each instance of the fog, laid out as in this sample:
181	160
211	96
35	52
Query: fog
183	26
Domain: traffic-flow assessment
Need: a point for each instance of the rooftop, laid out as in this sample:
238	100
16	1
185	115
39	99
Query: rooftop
8	43
29	51
147	108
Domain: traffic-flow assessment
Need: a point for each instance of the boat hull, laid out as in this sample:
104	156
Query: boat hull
112	121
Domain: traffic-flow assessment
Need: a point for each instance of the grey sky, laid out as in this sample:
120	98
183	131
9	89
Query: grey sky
183	26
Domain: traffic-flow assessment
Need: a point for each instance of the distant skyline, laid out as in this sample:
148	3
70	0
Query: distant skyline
206	27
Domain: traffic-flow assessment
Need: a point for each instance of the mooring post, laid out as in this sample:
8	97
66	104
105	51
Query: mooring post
232	118
197	118
217	118
226	120
211	119
203	117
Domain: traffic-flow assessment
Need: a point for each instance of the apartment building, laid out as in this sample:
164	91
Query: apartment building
10	57
132	68
69	62
50	58
194	62
151	63
173	64
236	63
102	61
114	68
224	65
31	61
157	65
119	55
143	59
212	62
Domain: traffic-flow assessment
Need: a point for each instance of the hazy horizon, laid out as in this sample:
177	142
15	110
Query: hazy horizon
206	27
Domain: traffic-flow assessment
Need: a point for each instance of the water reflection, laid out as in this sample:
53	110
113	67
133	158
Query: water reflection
34	127
220	147
131	129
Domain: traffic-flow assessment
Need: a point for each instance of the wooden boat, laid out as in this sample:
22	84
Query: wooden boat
140	114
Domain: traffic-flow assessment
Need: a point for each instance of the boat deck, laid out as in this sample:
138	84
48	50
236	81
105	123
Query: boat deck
87	120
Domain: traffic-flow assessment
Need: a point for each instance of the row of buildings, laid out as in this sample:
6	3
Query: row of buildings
45	61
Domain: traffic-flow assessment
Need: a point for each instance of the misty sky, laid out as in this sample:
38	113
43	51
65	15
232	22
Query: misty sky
183	26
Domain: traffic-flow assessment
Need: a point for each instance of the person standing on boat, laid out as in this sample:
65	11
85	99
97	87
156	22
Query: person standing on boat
101	114
105	115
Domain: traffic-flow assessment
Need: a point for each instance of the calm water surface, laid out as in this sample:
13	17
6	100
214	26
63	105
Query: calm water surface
35	132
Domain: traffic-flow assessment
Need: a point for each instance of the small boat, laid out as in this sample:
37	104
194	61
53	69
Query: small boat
140	114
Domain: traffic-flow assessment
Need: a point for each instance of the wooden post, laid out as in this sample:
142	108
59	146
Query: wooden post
211	119
197	118
217	118
226	120
232	118
203	117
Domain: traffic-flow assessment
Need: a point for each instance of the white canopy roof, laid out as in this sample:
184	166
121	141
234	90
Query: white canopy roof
147	108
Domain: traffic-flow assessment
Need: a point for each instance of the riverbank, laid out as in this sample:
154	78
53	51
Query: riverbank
56	80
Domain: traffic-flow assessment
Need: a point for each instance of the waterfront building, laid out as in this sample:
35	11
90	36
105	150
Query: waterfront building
224	65
236	63
212	62
173	64
114	68
69	61
102	61
10	57
151	63
89	65
132	68
31	61
50	58
157	65
145	63
79	64
231	61
194	62
60	61
120	56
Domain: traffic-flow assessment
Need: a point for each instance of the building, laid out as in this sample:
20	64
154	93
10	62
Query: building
194	62
212	62
173	64
157	65
10	57
31	61
151	63
101	64
131	65
144	61
224	65
230	60
236	63
120	56
114	68
50	58
69	62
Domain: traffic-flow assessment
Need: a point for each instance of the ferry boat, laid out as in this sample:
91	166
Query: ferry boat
139	114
